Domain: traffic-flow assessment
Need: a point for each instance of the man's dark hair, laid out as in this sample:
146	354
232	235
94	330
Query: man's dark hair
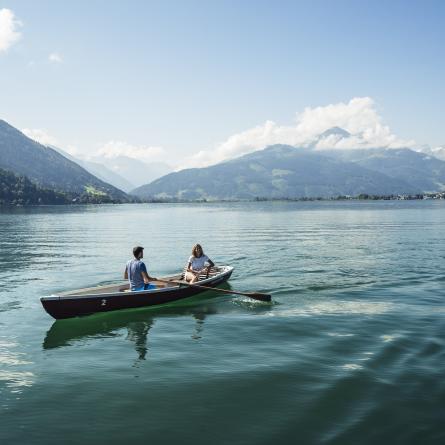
137	251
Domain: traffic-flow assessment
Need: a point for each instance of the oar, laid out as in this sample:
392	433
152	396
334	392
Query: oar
254	295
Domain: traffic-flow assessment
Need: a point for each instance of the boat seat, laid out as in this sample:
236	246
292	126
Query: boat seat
158	285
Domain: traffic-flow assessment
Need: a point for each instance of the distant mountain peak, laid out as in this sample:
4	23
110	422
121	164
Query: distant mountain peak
334	131
329	137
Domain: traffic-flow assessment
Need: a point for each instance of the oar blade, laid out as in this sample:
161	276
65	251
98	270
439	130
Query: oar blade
260	297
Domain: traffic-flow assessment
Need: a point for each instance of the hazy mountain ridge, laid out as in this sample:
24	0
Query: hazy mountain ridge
278	171
136	172
48	168
421	170
107	175
122	172
99	170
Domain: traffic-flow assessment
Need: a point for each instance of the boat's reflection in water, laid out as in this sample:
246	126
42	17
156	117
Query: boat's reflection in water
137	322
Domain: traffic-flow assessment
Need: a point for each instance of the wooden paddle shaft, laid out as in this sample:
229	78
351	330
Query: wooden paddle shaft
199	286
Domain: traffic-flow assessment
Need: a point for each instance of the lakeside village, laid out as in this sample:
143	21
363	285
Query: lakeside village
361	197
135	200
364	196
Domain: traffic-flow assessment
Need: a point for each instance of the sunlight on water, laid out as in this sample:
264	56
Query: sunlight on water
351	366
10	366
335	308
17	379
335	334
12	359
389	338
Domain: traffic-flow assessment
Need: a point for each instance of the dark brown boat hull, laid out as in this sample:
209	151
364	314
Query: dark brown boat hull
75	306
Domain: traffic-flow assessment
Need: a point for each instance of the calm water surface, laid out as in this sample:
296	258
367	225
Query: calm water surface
351	351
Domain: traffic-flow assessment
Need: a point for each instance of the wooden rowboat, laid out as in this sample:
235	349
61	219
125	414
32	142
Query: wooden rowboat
118	296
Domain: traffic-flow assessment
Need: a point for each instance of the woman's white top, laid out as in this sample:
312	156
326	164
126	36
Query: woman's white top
198	263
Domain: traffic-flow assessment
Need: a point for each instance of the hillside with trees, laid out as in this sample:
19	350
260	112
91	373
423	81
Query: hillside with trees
50	170
19	190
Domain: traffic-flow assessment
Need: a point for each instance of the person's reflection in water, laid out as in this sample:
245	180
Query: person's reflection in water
199	326
138	333
68	333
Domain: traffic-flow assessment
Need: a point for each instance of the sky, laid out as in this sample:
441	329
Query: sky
195	82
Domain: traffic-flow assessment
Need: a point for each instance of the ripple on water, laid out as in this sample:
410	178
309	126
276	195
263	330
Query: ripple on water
10	305
13	367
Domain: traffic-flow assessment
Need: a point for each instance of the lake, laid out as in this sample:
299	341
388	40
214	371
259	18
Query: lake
352	349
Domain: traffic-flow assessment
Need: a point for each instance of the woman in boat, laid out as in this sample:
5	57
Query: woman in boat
136	272
197	263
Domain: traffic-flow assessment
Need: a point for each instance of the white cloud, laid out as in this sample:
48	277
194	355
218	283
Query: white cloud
9	26
359	117
44	138
41	136
438	152
55	58
110	150
114	149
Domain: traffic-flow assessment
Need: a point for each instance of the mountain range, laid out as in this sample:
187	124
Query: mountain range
278	171
316	170
33	173
47	168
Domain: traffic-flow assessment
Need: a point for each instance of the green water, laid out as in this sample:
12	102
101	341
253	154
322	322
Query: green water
351	351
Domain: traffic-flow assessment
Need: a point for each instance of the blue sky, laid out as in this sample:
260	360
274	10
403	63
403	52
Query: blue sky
185	76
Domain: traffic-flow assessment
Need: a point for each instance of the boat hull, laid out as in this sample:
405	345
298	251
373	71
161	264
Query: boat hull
71	305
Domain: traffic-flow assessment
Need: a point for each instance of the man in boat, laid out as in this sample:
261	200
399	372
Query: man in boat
136	272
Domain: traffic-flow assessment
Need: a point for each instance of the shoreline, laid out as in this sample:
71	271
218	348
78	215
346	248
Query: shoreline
438	196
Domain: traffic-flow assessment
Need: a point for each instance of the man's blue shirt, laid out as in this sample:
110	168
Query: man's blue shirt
134	271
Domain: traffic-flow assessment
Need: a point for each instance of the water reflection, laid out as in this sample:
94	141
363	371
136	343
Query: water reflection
199	325
64	333
138	333
12	363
